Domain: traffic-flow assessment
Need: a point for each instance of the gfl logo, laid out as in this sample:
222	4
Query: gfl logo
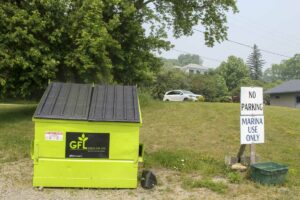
80	144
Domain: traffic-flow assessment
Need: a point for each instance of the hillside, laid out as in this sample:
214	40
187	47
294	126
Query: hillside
185	146
212	129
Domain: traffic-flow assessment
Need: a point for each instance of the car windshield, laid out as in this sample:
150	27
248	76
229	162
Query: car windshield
187	92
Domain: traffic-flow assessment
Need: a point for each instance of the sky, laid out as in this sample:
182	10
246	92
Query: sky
272	25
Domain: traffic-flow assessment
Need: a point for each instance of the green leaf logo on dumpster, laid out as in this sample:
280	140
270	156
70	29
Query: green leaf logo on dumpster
80	143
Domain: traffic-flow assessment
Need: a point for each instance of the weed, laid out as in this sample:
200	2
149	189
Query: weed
145	98
234	177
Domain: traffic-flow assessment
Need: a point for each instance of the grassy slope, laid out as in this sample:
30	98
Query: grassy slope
212	130
200	134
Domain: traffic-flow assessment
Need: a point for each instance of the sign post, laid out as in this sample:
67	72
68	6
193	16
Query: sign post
252	118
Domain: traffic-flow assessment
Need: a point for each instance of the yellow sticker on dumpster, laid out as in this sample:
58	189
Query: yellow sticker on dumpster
54	136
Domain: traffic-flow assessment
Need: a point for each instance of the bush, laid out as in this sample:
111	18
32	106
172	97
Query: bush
169	80
145	98
211	86
225	99
201	99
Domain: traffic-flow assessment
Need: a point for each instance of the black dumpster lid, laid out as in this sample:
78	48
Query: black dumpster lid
90	103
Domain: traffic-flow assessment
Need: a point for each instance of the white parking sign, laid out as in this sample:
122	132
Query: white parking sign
251	101
252	119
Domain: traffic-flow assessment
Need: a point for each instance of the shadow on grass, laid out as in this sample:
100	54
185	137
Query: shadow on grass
16	131
11	114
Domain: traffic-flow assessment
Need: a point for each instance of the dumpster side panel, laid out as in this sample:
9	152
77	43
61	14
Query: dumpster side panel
91	173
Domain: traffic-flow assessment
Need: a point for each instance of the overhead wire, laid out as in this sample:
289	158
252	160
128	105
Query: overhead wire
251	47
269	36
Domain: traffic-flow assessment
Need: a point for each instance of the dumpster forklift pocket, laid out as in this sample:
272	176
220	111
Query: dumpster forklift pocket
141	153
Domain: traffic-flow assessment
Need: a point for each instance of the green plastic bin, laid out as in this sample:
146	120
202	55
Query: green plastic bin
269	173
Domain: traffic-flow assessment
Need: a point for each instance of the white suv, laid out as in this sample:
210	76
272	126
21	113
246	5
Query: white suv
180	95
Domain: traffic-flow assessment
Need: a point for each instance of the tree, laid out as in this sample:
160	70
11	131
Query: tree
185	59
31	46
255	63
221	87
95	41
274	73
169	79
290	68
211	86
169	62
233	71
287	70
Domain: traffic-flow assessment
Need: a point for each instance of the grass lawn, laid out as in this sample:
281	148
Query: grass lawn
189	138
210	131
16	131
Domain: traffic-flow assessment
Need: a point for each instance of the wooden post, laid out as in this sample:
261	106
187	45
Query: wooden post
252	153
241	152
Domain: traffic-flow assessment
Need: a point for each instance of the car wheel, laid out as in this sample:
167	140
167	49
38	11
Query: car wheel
185	99
167	100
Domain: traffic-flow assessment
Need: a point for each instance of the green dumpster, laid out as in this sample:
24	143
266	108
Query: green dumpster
87	136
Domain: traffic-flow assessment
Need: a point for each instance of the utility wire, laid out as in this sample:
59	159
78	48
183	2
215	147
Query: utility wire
249	46
264	32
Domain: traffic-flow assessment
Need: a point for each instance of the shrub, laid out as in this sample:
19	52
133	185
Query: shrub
225	99
201	98
145	98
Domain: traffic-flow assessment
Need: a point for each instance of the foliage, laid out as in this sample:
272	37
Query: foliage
211	86
255	63
247	82
182	60
185	59
233	71
145	98
234	177
221	88
95	41
29	41
169	79
269	85
287	70
274	73
201	98
181	17
225	99
169	63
